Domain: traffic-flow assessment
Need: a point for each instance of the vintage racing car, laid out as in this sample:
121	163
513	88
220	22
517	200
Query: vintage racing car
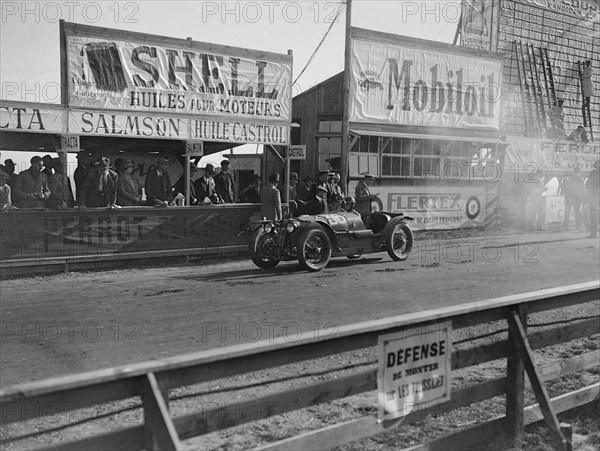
313	240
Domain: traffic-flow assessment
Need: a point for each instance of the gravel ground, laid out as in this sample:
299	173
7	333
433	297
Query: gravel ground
248	386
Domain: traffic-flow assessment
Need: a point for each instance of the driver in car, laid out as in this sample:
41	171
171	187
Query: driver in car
317	204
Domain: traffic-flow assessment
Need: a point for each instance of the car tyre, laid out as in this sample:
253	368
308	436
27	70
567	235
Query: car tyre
399	239
314	249
259	245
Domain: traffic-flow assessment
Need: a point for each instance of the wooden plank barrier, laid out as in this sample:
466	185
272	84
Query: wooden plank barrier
151	381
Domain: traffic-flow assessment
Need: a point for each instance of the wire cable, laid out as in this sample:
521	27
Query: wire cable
333	22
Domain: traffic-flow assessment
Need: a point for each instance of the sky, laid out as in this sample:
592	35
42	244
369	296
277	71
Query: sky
29	34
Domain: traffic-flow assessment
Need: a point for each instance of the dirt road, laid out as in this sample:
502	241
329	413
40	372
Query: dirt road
77	322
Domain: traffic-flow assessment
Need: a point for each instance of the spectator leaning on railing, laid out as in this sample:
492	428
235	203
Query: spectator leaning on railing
100	186
31	187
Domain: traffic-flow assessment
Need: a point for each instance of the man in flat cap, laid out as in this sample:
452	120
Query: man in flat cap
100	186
271	199
224	183
321	181
159	189
362	194
31	187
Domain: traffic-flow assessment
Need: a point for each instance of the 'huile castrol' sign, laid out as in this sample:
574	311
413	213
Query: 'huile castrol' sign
411	85
116	70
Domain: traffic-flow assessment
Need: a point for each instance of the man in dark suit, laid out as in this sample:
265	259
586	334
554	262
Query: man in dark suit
363	195
304	192
100	186
224	183
271	199
179	188
159	190
317	204
205	187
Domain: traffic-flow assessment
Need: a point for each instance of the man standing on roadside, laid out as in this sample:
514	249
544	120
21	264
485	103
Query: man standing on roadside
573	190
592	186
271	199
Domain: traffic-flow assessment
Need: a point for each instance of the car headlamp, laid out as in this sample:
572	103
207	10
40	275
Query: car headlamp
268	227
290	227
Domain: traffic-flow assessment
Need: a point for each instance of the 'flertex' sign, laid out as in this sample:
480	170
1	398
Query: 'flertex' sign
411	85
414	370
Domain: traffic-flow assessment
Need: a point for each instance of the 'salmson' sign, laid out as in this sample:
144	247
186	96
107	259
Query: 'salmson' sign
115	70
408	84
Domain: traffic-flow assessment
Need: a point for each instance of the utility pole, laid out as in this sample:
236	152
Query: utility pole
344	168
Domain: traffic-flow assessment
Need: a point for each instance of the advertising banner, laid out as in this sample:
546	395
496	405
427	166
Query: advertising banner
433	207
137	125
528	155
584	9
107	70
96	232
412	85
476	31
414	370
27	118
240	132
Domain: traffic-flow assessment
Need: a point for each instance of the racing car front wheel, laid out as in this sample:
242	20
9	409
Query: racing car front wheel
262	249
399	239
314	249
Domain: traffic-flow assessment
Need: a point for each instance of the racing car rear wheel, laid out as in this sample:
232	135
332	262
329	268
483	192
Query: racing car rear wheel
262	249
314	249
399	239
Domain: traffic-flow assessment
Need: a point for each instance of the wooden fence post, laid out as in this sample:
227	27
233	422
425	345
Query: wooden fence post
159	429
515	386
526	356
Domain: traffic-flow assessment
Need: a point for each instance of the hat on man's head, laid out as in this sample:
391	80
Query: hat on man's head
47	158
324	171
225	163
293	176
274	177
35	159
369	176
9	162
103	163
209	168
193	167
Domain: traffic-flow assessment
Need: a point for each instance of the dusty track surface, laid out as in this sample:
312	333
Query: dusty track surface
78	322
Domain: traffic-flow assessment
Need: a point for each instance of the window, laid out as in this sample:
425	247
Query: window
330	127
329	142
395	159
330	151
427	158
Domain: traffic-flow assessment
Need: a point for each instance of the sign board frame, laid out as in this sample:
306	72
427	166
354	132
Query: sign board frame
414	370
296	152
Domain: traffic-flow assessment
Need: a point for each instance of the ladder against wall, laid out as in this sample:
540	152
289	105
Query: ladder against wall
538	93
536	82
586	114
